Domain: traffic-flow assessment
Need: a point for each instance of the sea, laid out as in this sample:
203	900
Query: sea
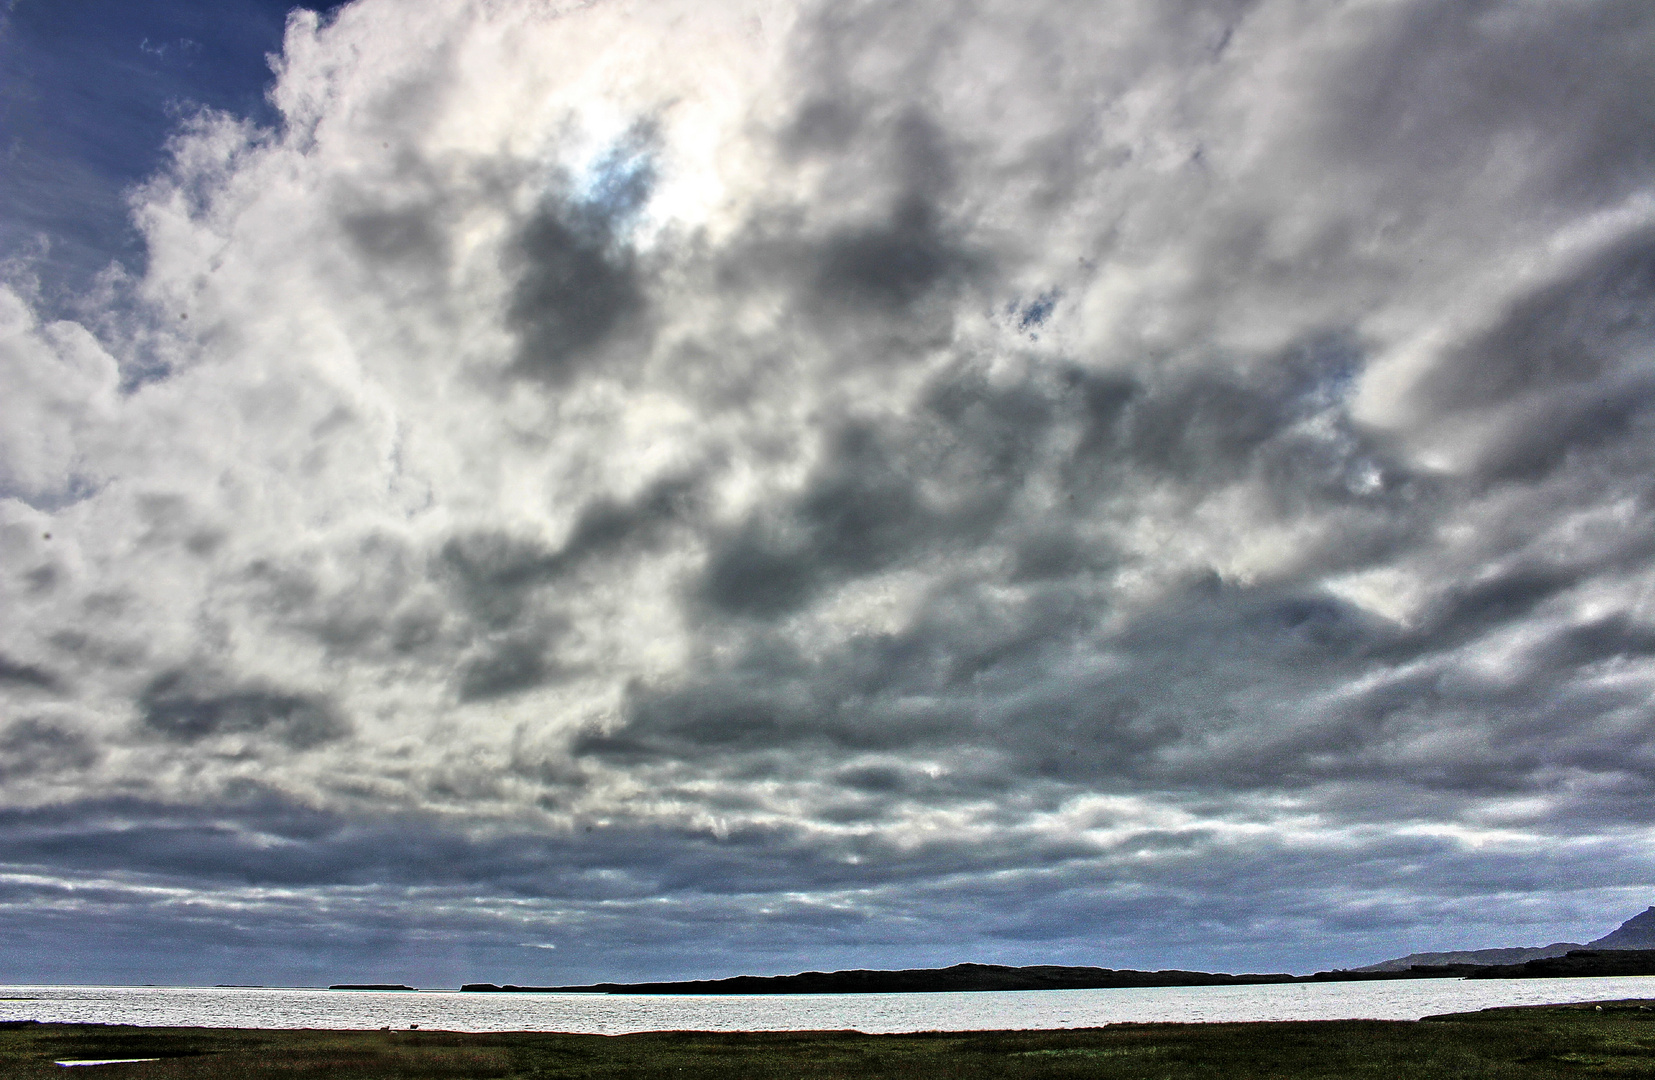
617	1014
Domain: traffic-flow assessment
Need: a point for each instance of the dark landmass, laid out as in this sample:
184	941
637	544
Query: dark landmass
1581	962
1578	963
1478	957
913	980
1610	1038
369	986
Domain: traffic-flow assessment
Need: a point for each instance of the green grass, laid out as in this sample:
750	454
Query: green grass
1507	1044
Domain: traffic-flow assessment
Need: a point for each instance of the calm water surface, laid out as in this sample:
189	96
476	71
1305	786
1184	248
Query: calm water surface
617	1014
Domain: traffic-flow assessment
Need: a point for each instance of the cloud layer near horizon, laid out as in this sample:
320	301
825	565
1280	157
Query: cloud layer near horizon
710	488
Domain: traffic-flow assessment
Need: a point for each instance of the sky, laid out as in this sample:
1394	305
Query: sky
545	492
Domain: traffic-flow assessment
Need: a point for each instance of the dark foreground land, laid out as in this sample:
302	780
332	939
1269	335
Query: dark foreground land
1614	1039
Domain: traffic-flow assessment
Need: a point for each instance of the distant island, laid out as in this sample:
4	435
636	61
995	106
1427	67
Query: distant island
369	986
1629	950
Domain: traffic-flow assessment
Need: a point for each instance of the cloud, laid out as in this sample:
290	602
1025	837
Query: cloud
833	472
173	708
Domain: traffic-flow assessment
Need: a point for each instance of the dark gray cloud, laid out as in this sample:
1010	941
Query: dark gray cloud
1143	484
181	706
495	574
578	281
513	664
863	510
1439	83
30	746
1206	897
27	675
576	289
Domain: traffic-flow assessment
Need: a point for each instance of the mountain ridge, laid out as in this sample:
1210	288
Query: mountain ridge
1638	932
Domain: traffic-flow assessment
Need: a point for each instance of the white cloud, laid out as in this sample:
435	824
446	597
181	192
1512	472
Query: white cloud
62	393
655	412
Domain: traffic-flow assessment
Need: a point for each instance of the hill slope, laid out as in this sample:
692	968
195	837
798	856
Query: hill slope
1638	932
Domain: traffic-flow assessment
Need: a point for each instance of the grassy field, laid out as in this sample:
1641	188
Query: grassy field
1616	1039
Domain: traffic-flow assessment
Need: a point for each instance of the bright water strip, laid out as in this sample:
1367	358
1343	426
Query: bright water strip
614	1014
